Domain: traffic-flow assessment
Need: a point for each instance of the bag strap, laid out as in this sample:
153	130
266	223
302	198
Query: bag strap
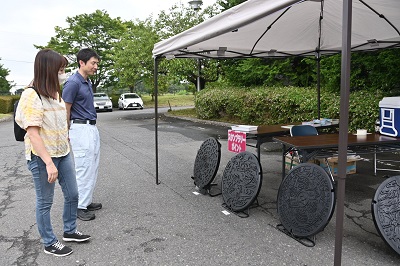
36	91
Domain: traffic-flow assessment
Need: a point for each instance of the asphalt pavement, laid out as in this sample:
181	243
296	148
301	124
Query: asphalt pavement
143	223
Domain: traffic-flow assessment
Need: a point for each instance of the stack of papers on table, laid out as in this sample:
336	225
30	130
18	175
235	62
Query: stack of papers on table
245	128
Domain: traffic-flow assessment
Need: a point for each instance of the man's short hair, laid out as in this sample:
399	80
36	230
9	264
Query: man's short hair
85	55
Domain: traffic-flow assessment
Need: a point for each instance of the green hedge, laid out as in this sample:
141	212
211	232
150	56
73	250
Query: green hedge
7	103
114	99
277	105
271	105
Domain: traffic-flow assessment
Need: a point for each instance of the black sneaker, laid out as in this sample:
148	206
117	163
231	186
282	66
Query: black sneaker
76	237
85	215
94	206
58	249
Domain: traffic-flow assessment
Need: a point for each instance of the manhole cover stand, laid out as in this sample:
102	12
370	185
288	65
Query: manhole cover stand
305	203
241	183
206	190
244	213
306	241
206	166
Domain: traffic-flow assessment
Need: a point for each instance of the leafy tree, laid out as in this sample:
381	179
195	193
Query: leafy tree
5	86
226	4
249	72
178	19
378	70
133	55
97	31
294	71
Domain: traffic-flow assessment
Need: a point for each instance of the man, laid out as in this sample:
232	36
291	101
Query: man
84	136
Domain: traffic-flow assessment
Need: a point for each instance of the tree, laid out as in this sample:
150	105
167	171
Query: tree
5	85
97	31
295	71
226	4
178	19
377	70
133	55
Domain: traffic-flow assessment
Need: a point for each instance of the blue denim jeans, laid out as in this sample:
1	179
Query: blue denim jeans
45	195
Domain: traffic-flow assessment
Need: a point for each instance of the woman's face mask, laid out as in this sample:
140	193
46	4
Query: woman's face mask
62	77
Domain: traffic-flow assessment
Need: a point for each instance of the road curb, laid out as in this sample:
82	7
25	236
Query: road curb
209	122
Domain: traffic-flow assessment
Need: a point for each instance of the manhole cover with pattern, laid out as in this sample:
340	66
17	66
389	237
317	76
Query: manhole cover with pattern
306	200
386	211
207	162
241	181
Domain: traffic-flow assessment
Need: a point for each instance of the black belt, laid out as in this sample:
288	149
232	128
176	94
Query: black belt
80	121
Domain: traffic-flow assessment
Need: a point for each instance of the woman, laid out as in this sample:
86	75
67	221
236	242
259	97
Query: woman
47	149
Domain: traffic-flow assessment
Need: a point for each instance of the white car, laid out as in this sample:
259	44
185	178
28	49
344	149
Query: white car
102	102
130	100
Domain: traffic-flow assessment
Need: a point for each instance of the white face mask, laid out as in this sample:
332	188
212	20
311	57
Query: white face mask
62	78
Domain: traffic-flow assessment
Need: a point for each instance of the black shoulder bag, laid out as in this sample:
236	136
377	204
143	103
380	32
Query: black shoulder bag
19	132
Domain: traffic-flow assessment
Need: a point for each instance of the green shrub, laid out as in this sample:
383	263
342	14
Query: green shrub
364	110
182	92
7	103
270	105
279	105
114	100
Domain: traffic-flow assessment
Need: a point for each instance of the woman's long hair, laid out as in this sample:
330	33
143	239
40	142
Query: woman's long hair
47	65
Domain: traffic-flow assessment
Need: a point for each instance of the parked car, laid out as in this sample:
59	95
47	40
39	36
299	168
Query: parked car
102	102
130	100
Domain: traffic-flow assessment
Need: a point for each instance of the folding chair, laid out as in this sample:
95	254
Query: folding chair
301	130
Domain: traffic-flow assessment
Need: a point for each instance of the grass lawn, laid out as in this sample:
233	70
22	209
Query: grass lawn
190	112
182	100
4	116
169	100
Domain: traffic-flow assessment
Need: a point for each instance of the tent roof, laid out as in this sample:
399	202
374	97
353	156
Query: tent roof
279	28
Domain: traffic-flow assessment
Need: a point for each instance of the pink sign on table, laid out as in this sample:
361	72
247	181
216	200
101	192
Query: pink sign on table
236	141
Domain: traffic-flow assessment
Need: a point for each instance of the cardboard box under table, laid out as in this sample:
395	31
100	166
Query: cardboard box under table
351	167
288	161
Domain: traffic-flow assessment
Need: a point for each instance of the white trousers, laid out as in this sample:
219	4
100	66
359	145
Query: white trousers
85	144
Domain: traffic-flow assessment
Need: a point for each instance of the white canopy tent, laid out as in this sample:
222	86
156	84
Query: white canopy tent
282	28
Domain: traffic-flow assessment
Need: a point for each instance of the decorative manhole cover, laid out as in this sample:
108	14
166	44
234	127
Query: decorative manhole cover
207	162
386	211
241	181
306	200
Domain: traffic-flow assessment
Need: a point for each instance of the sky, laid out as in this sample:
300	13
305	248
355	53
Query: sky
24	23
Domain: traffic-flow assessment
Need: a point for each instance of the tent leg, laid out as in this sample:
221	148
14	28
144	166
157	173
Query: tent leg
344	126
198	74
156	113
319	86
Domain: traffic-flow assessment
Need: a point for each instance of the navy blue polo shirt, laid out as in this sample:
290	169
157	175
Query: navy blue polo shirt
79	93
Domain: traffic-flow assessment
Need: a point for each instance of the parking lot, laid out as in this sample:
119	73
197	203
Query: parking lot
142	223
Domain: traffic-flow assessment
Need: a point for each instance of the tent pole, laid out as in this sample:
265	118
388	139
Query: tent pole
343	126
318	55
198	73
156	61
319	85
